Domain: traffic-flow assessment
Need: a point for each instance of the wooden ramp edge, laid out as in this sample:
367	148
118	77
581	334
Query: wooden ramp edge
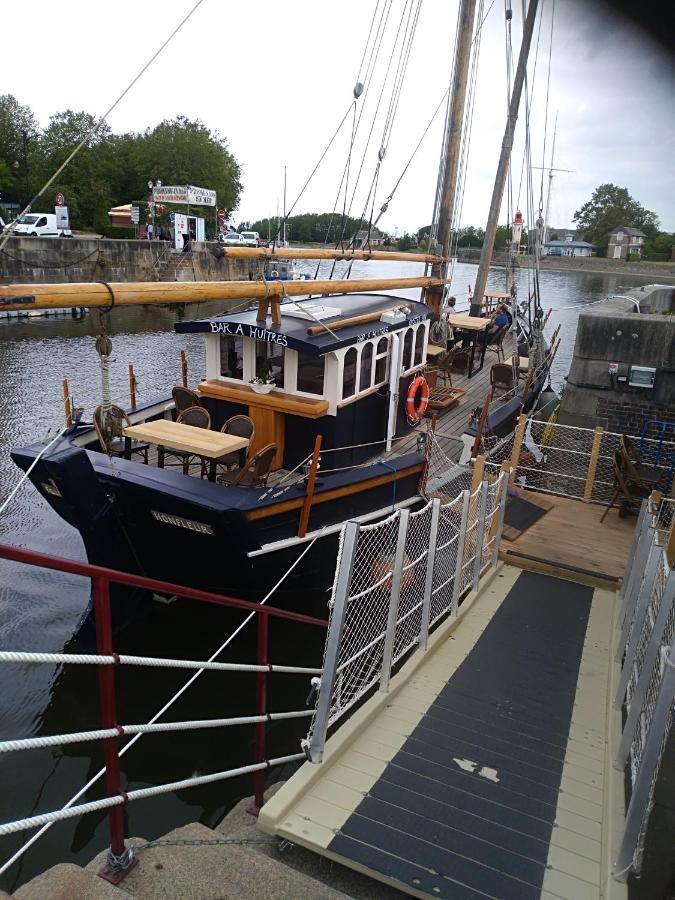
314	805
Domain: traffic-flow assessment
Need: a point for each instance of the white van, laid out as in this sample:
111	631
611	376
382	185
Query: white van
40	225
250	238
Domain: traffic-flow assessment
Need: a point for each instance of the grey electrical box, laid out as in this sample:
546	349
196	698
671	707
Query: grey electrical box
642	376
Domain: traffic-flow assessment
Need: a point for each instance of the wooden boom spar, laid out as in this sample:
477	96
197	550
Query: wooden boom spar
148	293
324	253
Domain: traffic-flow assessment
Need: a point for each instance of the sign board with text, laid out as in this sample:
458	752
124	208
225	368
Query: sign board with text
135	215
62	220
184	194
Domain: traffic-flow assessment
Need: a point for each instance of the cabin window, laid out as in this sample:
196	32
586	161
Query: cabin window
419	344
310	373
366	372
381	360
349	373
231	356
269	358
407	350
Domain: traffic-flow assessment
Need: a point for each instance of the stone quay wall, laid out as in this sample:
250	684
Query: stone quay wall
27	260
594	395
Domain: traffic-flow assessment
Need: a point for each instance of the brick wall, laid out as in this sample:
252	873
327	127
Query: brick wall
627	417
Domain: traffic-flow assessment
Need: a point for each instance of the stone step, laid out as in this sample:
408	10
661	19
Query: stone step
213	872
330	878
69	882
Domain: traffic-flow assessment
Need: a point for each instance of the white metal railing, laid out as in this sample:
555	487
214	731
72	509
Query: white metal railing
646	648
394	580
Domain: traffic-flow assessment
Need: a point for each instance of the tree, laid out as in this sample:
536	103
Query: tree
19	131
86	182
181	151
470	237
659	248
609	207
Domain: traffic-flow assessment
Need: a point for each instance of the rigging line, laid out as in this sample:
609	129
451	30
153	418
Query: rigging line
377	44
375	114
467	129
534	75
404	54
92	781
313	172
365	47
25	475
548	87
92	131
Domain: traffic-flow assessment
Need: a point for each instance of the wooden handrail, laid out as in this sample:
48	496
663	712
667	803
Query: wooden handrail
309	495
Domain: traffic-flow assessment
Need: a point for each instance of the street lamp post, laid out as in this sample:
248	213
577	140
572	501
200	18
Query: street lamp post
153	184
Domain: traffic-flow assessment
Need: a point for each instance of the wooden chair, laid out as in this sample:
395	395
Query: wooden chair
632	492
445	363
241	426
637	470
197	417
495	342
110	435
502	378
256	470
184	398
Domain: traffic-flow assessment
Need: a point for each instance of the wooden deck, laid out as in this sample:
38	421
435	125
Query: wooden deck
451	424
570	542
485	770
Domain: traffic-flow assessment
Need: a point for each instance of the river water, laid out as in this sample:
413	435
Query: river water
40	610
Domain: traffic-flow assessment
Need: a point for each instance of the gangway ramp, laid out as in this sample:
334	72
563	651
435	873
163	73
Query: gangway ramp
484	771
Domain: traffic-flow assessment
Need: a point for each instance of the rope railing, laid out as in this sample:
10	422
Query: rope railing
110	733
119	800
123	659
395	580
77	737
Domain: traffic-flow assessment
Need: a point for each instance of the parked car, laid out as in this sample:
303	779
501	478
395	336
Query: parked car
251	238
40	225
233	239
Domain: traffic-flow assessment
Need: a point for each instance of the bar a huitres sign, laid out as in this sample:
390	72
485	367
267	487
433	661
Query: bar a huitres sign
184	193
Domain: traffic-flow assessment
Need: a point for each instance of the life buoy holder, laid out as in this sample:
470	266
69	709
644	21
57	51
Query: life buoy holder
418	400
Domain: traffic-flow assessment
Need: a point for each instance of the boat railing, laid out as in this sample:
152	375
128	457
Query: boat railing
111	732
571	462
395	580
646	690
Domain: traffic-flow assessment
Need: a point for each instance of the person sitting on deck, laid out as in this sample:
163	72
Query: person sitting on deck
499	319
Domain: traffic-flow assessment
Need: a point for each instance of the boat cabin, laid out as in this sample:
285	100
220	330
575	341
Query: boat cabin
338	366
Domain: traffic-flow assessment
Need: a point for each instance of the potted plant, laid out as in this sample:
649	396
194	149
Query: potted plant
263	383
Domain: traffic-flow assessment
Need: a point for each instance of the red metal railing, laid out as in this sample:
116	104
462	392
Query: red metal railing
101	578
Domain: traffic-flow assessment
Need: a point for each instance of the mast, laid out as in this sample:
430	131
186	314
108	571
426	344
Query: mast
544	233
448	176
283	234
503	167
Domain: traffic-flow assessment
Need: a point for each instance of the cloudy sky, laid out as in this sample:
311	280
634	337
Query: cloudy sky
276	79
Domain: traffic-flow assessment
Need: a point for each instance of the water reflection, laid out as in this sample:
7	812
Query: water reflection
40	610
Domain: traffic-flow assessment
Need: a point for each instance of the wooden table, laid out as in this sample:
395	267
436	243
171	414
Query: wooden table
201	441
476	326
490	298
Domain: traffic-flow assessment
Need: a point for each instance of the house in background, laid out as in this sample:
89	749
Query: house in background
377	238
625	240
568	247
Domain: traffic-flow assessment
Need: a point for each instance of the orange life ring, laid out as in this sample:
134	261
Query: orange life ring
418	399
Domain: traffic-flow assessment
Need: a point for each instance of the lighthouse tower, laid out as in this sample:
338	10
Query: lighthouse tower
516	231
